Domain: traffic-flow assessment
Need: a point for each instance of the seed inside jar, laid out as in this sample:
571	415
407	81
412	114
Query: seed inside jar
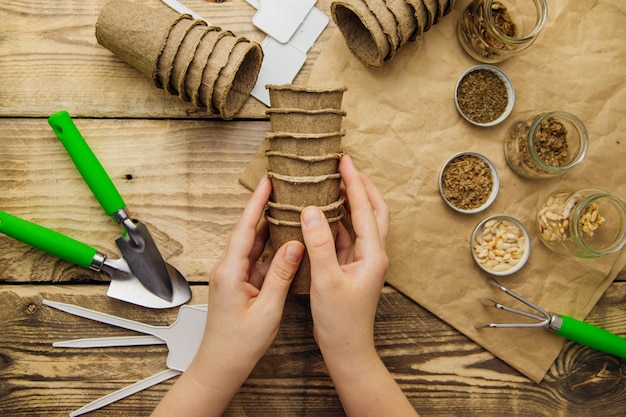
466	182
482	96
554	217
500	245
476	33
550	142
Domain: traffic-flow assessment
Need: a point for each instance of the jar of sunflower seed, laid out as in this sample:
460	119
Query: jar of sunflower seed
587	223
545	145
492	31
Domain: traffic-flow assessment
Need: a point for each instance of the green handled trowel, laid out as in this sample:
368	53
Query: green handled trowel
141	276
136	244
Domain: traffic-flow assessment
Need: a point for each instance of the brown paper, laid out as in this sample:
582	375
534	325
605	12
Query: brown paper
402	125
135	33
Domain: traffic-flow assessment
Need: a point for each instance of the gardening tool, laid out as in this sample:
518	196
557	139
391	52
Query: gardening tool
136	243
570	328
125	284
183	339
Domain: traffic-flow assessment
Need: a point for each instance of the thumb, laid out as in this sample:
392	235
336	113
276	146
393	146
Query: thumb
282	270
319	241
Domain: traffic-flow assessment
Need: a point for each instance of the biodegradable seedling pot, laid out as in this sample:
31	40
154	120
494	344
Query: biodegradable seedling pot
305	191
184	57
237	79
217	60
135	33
306	121
306	98
302	165
166	61
289	213
305	144
361	30
200	59
282	232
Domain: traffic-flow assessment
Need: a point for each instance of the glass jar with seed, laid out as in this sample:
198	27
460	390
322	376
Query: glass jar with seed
587	223
492	31
545	145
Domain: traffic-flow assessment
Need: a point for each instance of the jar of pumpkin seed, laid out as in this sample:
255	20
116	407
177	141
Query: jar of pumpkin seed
587	223
545	145
492	31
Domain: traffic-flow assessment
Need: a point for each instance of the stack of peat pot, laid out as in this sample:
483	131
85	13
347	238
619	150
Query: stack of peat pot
213	68
303	160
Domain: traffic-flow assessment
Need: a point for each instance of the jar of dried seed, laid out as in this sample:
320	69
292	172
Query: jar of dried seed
494	30
544	145
586	223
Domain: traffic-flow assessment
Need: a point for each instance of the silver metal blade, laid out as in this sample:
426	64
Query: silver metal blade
127	287
145	260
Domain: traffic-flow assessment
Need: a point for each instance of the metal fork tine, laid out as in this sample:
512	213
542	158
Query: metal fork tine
514	325
519	298
499	306
542	320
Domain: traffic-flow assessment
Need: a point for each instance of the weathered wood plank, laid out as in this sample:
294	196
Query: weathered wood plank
442	372
50	59
179	177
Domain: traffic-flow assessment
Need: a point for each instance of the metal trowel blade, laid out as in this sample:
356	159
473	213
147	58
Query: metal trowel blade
146	263
127	287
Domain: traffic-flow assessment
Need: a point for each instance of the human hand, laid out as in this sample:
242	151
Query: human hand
246	299
346	276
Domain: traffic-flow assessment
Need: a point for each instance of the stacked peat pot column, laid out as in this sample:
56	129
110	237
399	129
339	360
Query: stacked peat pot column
303	160
213	68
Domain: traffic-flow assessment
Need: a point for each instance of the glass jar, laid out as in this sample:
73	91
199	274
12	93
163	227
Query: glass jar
586	223
492	31
545	145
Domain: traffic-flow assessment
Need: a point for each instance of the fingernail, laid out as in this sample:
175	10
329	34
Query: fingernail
293	252
311	217
262	180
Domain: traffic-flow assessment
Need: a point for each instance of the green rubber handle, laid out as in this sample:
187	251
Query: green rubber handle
592	336
47	240
85	160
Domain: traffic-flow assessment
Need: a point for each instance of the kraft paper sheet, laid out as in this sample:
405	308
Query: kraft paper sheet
402	125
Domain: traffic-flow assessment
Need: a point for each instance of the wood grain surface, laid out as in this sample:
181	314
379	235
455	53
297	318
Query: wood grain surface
442	372
50	59
180	177
178	170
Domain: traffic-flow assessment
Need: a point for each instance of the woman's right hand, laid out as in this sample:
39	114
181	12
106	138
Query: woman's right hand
347	276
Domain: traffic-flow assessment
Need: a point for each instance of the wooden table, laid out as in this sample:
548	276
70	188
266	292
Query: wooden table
178	171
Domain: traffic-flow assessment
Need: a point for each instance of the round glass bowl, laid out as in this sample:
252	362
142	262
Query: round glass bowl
500	245
468	182
484	95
